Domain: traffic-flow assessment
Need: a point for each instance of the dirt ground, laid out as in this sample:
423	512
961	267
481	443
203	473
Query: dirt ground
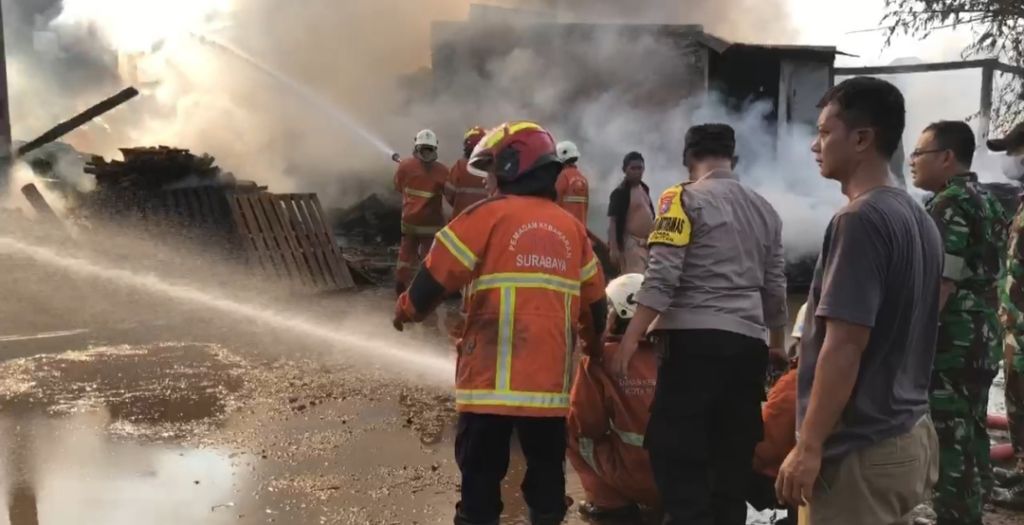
119	406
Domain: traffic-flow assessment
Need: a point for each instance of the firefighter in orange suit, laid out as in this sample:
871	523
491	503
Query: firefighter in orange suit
608	416
464	189
420	180
573	188
535	279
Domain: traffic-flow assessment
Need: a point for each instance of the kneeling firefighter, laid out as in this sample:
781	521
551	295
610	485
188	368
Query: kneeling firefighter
608	415
535	279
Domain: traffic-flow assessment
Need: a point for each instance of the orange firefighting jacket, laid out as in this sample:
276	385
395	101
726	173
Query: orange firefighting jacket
779	415
573	192
421	188
608	417
463	189
533	278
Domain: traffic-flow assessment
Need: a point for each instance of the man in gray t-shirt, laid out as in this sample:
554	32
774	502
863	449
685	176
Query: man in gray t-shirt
879	268
866	450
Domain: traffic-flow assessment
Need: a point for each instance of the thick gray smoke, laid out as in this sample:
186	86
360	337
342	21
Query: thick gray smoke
624	92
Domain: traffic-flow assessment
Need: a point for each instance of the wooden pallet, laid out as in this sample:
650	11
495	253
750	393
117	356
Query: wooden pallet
285	236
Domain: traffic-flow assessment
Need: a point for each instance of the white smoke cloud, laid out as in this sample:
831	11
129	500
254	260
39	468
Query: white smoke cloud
626	91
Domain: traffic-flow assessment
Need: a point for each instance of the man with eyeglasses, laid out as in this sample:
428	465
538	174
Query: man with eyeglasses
972	225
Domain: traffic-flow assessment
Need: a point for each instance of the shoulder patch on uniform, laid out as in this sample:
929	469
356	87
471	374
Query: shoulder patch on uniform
672	226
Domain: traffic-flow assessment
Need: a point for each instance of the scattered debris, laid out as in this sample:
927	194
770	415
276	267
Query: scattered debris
80	119
158	168
371	221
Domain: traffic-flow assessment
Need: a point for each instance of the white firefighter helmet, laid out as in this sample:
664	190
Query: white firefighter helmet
798	323
567	151
621	292
426	138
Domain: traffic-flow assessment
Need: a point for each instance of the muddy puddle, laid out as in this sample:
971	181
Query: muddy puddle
194	433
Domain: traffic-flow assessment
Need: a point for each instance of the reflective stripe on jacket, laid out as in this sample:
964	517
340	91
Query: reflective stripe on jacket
532	276
421	187
573	193
463	189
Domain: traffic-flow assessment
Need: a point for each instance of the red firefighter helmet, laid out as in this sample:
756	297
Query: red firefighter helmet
512	150
472	137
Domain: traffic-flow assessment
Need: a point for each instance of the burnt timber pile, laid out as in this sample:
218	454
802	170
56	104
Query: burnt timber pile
153	169
369	232
172	193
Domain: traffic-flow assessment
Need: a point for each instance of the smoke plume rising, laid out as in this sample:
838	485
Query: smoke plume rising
371	58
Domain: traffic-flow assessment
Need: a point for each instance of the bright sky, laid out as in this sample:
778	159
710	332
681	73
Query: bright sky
830	22
929	96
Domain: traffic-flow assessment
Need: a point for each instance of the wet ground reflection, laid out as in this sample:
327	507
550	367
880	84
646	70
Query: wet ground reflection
58	471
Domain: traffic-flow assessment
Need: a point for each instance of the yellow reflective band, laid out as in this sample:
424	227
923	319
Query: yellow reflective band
512	399
629	438
419	230
576	200
506	325
472	191
587	451
418	193
457	248
569	346
527	280
589	270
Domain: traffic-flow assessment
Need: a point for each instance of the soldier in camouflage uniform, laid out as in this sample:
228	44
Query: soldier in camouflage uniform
969	348
1012	318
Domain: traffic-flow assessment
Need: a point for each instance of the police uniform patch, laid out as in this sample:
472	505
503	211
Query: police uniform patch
665	203
672	226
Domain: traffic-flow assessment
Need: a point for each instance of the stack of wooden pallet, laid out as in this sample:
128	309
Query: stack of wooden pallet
156	168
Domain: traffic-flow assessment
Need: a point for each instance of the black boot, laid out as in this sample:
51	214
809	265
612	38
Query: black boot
1011	499
1007	478
461	520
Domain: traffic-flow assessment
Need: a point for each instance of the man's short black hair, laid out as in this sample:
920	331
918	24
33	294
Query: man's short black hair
710	141
956	136
630	157
867	102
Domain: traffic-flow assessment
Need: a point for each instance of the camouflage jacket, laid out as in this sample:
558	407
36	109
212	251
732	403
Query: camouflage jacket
972	224
1011	297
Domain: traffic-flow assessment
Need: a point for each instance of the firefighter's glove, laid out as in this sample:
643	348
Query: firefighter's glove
401	313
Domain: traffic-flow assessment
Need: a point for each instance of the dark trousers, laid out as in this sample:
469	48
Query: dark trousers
705	422
482	452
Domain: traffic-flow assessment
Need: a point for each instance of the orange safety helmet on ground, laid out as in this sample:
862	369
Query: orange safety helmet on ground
471	139
512	150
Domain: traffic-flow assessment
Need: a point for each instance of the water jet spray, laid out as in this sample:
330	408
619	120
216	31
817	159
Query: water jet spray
305	92
428	365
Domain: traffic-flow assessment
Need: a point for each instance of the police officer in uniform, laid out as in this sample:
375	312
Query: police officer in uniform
715	291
